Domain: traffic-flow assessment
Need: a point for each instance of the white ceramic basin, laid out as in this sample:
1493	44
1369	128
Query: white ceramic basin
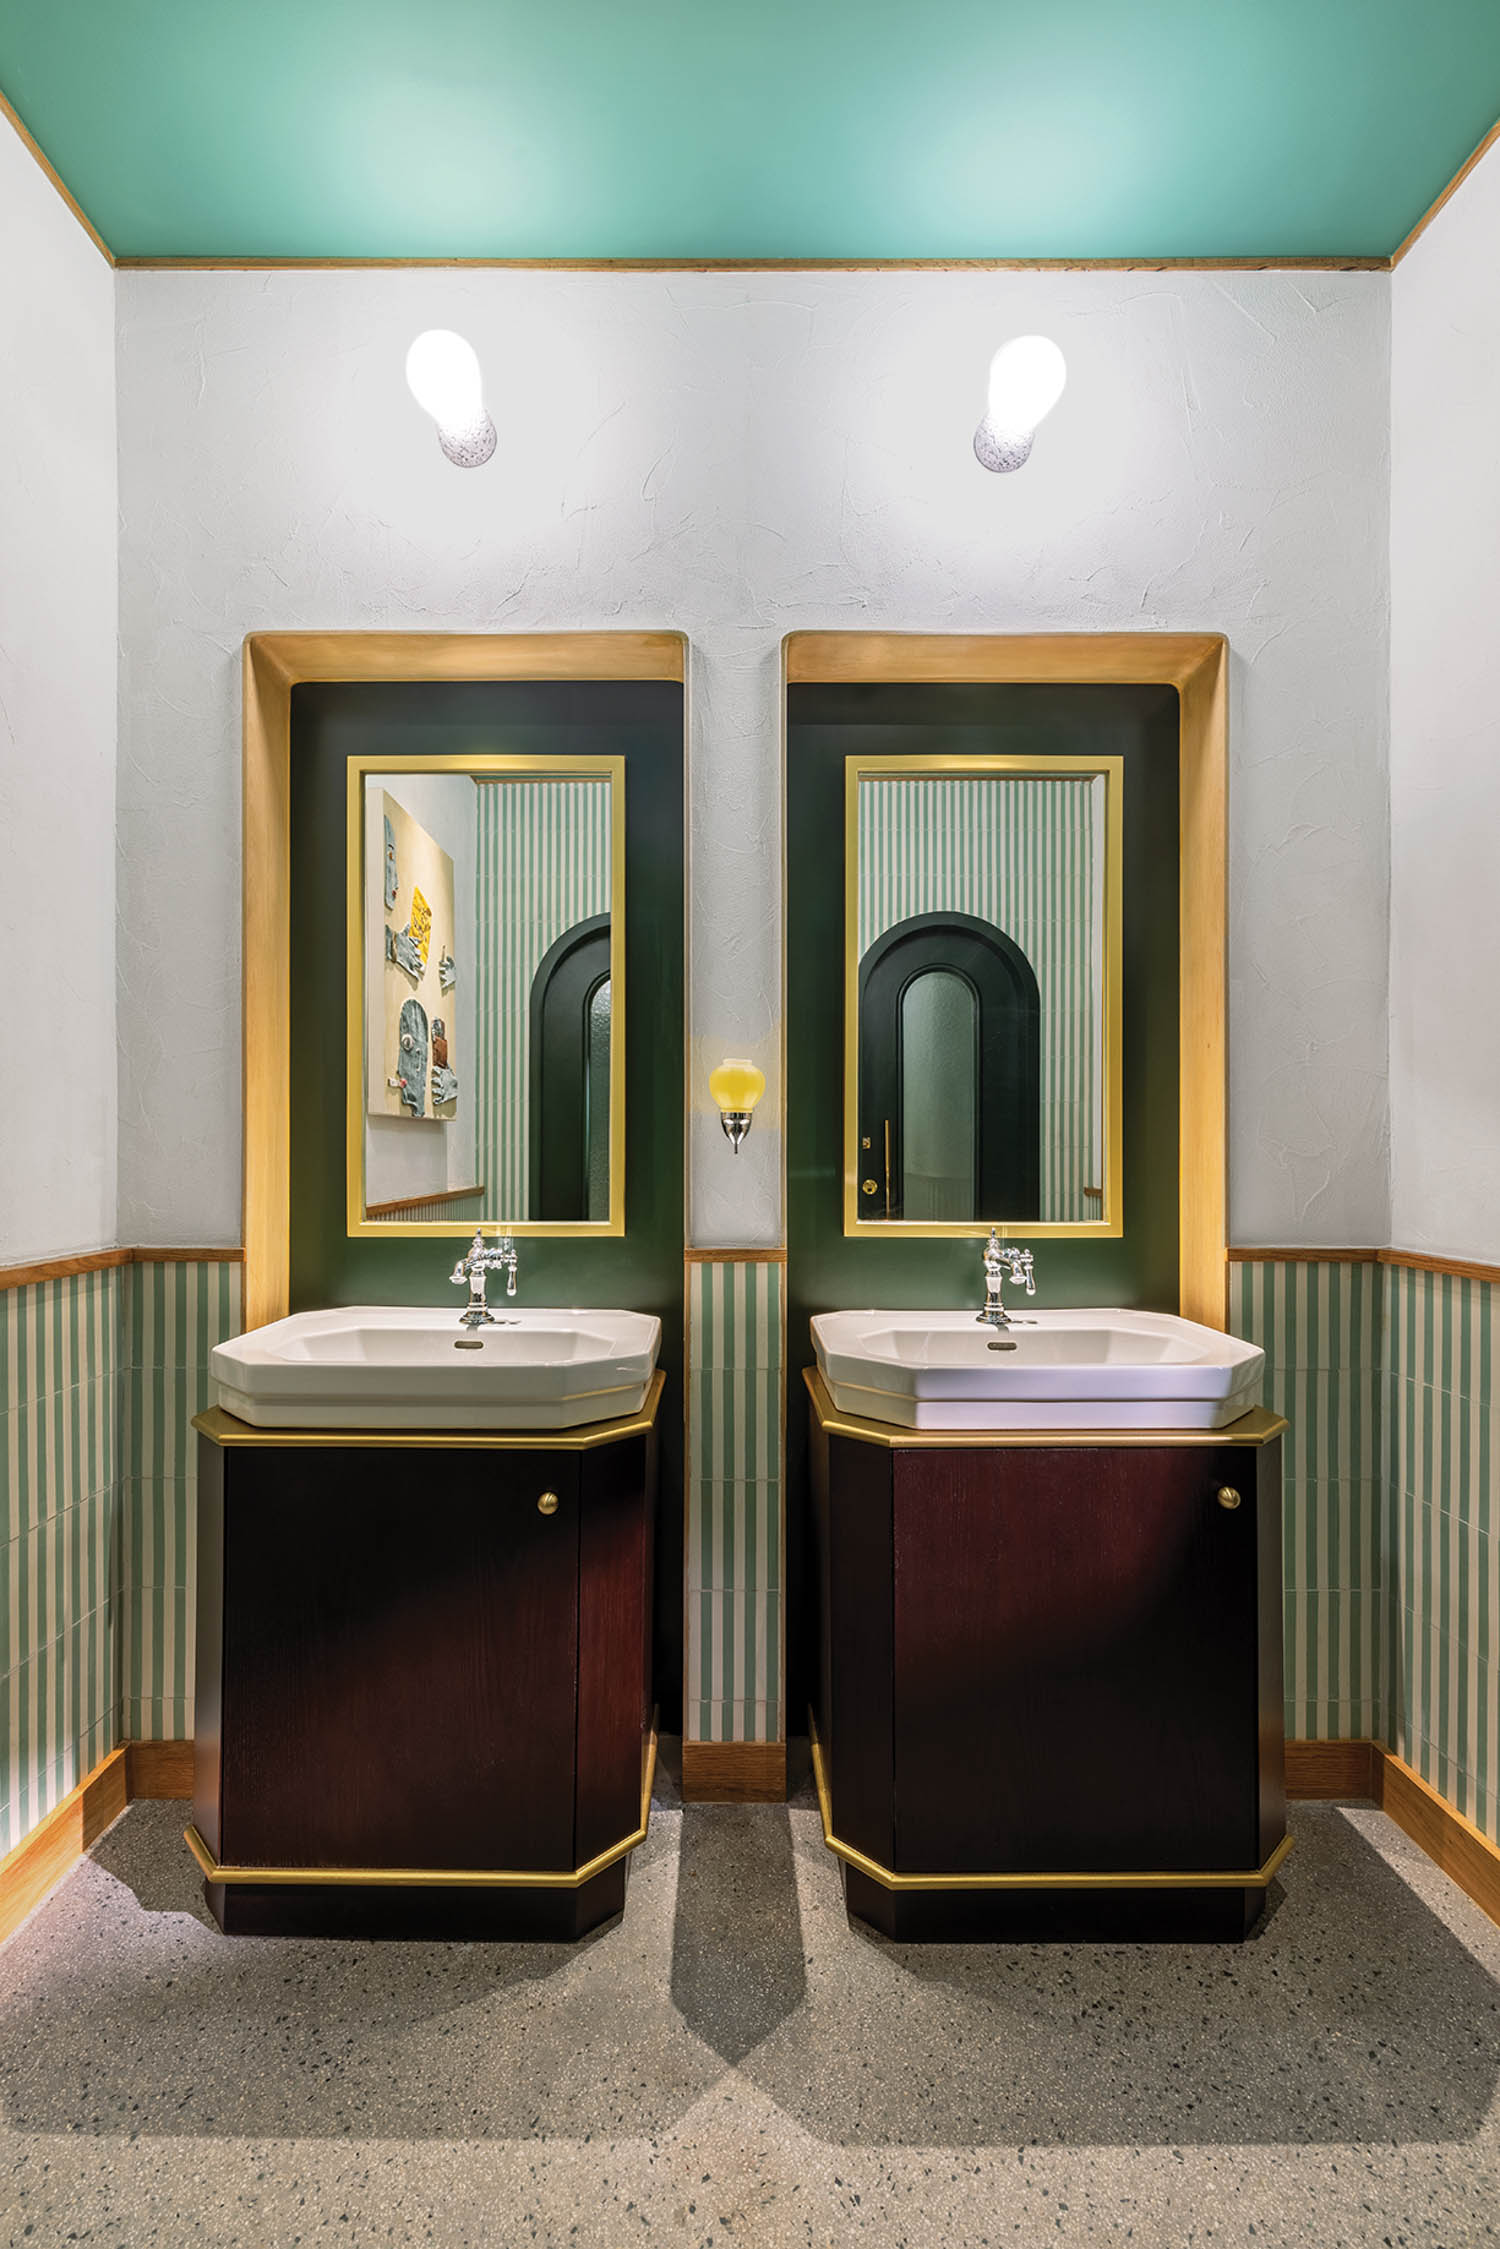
382	1366
1068	1370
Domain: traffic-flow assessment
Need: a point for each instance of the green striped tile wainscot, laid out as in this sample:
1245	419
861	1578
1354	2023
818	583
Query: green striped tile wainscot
1319	1324
735	1671
173	1313
1442	1429
59	1351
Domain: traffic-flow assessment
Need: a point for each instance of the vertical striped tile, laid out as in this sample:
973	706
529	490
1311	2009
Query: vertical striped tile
735	1670
176	1310
543	865
1443	1440
1319	1323
1026	855
59	1351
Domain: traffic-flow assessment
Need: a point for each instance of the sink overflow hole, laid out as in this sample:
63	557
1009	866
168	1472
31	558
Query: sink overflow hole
468	1343
1002	1343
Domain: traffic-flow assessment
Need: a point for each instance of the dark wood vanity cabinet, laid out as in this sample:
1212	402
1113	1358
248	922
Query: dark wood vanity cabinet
1050	1659
423	1677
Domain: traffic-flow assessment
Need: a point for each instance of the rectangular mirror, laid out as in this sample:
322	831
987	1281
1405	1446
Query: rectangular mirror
486	1068
982	1080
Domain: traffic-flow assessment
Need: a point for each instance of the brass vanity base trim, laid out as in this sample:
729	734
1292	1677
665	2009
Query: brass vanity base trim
1258	1427
223	1428
1254	1878
431	1877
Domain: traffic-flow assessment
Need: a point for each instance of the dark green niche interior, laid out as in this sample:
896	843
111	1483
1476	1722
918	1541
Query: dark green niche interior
828	1270
641	1271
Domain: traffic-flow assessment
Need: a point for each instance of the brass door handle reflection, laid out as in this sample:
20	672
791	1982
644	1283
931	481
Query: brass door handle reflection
1227	1496
547	1504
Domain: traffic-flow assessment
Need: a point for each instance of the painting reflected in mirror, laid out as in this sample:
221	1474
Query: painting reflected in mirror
982	994
488	1087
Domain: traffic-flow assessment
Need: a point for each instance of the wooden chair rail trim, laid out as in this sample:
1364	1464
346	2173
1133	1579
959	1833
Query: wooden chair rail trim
734	1256
1410	1260
101	1260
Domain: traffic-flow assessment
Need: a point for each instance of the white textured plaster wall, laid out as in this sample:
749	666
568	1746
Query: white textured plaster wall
739	456
57	720
1445	730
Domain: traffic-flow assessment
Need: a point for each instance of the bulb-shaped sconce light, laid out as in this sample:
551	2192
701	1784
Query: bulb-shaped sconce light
736	1086
442	371
1026	381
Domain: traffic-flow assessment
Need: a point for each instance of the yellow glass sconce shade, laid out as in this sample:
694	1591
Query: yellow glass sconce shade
736	1086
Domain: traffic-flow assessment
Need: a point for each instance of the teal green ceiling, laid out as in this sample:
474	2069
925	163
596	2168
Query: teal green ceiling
753	128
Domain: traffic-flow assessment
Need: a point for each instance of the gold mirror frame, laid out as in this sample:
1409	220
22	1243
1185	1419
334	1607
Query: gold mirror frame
273	664
1196	665
496	767
1111	770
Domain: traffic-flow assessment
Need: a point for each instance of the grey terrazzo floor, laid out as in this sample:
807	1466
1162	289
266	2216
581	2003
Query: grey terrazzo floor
733	2063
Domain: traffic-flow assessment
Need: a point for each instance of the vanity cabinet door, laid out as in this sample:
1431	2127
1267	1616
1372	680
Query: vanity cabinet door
1076	1661
399	1657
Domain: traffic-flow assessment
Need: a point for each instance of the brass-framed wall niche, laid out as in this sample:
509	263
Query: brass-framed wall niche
274	665
1193	668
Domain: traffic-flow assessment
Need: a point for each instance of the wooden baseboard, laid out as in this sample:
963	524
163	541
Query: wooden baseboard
1320	1771
1450	1841
734	1772
56	1844
754	1772
159	1768
1329	1769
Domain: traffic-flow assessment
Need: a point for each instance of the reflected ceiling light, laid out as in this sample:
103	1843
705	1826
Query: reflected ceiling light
442	371
736	1086
1026	381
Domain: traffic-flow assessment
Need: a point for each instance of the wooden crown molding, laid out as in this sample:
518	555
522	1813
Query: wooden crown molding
38	154
1433	208
1290	263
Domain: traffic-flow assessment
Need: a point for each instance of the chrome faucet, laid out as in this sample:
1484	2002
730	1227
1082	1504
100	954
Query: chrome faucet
997	1256
482	1260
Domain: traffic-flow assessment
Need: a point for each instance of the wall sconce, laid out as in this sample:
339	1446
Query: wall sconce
442	373
1026	381
736	1086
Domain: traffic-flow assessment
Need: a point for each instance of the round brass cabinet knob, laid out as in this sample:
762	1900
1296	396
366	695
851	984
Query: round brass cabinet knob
1227	1496
547	1504
869	1186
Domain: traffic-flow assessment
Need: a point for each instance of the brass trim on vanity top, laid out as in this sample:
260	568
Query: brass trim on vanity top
1258	1427
1250	1878
434	1877
223	1428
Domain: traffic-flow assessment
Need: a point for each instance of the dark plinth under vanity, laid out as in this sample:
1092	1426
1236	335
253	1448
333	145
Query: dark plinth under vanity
1049	1697
423	1676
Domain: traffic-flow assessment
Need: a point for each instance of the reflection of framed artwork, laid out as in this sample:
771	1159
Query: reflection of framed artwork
413	1068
